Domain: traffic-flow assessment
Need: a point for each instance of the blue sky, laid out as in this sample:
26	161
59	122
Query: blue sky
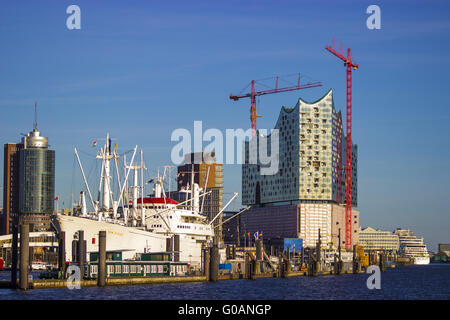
140	69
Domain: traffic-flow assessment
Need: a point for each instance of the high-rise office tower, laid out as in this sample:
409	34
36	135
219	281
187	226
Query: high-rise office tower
36	181
29	182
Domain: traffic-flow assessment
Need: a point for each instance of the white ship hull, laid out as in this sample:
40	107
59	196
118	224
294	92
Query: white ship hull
421	260
129	240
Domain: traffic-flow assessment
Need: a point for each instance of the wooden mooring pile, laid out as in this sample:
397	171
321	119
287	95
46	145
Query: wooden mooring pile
250	263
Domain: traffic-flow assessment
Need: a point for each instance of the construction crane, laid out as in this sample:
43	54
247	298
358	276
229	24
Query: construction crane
349	64
253	94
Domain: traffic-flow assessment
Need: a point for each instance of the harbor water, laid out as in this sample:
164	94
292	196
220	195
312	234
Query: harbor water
409	282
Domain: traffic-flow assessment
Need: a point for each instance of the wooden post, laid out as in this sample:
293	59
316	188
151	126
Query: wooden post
81	252
259	249
24	256
312	263
62	253
302	258
169	248
310	267
214	265
74	251
168	245
14	258
318	255
176	247
380	262
287	267
30	256
101	280
259	254
206	262
340	267
355	260
335	265
279	266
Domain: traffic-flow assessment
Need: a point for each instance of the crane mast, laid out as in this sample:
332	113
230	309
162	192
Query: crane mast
349	64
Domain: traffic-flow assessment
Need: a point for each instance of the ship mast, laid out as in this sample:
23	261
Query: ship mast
204	189
104	189
94	203
136	188
106	156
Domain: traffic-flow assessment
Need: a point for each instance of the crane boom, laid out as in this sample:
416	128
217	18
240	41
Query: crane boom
253	94
349	64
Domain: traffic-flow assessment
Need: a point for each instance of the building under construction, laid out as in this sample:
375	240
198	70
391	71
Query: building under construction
306	196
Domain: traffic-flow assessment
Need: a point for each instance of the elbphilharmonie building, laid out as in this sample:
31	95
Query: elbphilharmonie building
311	174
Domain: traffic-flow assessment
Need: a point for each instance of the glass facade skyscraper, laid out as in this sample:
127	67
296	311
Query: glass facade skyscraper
36	182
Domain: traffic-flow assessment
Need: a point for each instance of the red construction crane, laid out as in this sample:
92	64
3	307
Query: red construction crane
253	94
349	64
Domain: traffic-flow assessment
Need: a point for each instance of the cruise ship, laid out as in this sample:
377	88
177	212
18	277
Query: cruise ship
136	223
412	247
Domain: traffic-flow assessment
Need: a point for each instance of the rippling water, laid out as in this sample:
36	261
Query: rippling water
413	282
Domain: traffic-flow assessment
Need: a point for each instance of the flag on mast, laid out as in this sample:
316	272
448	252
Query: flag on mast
94	143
